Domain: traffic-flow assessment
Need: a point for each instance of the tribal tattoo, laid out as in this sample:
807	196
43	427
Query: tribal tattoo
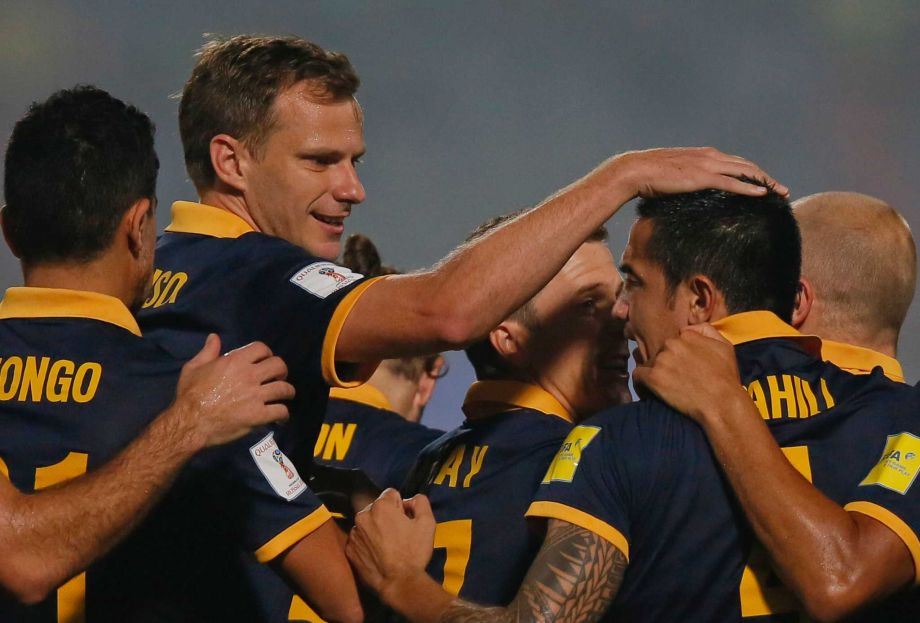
573	579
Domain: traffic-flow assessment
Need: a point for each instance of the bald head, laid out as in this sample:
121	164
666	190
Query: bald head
859	256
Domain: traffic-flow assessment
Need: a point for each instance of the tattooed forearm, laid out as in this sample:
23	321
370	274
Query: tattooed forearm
573	579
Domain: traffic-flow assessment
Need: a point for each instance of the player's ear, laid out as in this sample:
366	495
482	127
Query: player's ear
134	224
804	299
228	158
703	298
508	340
6	234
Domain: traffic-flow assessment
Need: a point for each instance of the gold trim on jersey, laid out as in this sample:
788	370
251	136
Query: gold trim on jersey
485	398
860	360
27	302
198	218
364	370
555	510
366	394
896	524
293	534
761	325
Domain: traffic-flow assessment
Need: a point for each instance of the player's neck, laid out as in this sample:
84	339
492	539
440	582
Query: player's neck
231	202
94	276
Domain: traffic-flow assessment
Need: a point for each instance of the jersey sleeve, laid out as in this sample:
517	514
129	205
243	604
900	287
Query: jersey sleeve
272	507
889	492
582	486
309	299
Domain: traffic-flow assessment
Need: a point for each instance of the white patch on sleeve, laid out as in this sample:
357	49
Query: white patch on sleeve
323	278
277	468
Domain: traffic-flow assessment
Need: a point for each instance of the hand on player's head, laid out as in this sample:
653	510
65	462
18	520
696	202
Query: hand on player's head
226	397
657	172
693	371
392	539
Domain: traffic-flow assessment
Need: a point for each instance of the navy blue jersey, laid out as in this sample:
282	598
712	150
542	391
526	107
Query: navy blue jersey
644	477
215	274
362	432
77	383
481	487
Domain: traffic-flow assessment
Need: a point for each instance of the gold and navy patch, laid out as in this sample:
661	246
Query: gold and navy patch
564	464
899	464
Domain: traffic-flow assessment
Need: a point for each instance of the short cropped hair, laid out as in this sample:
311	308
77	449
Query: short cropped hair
75	164
233	88
749	246
486	361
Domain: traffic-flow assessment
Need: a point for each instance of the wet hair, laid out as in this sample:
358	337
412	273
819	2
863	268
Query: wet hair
749	246
486	361
75	164
233	87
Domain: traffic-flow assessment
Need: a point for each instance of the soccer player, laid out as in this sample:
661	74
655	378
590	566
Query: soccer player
376	427
77	382
859	272
637	486
272	135
858	277
558	358
49	537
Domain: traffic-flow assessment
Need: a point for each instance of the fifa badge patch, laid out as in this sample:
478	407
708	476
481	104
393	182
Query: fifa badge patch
323	278
899	464
277	468
564	464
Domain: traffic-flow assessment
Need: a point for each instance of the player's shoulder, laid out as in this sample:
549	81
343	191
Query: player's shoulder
642	428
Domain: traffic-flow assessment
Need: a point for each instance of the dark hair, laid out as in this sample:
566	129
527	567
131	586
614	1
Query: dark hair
75	163
486	361
749	246
360	255
233	87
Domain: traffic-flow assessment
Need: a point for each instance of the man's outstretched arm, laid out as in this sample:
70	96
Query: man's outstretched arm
574	577
48	537
834	560
477	286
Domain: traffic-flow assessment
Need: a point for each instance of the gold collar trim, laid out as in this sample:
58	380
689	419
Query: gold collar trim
365	394
860	360
25	302
198	218
490	397
761	325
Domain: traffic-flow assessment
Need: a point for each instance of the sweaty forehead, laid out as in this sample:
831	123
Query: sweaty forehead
299	111
636	246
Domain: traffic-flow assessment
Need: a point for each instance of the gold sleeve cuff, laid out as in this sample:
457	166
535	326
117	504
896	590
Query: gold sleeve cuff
364	369
555	510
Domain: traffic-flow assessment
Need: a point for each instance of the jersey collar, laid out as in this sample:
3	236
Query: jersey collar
762	325
486	398
58	303
365	394
198	218
859	360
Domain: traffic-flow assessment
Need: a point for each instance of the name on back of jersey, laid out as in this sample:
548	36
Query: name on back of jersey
39	379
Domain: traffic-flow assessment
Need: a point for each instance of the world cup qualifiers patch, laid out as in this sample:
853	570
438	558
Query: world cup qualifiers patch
277	468
564	464
899	464
323	278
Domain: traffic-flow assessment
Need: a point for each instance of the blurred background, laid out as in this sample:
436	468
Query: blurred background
478	107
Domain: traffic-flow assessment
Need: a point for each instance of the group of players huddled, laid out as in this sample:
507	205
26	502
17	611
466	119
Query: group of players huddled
766	474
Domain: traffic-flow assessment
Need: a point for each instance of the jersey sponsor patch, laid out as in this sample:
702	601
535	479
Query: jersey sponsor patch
277	468
899	464
564	464
323	278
